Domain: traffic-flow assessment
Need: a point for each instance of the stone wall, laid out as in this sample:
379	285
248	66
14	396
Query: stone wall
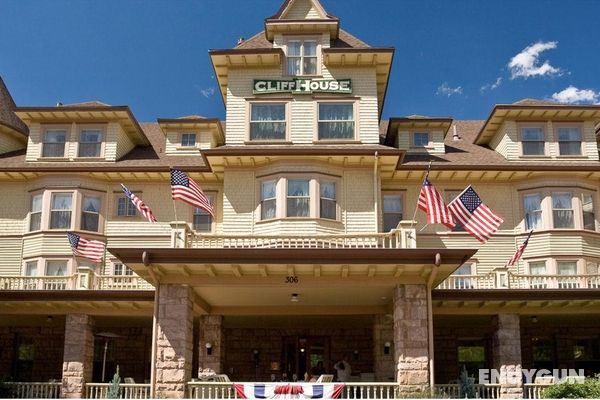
210	330
78	355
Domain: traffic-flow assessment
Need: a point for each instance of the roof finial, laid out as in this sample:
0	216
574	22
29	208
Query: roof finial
58	104
241	40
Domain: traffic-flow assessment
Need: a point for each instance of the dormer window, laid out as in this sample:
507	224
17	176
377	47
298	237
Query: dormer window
569	141
302	57
54	143
90	143
188	140
532	140
421	139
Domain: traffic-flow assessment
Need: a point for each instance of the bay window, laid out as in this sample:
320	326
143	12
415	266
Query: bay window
267	121
122	270
562	210
533	141
328	207
532	204
202	221
268	200
538	268
587	209
35	217
90	213
60	210
569	141
566	269
302	57
392	211
90	142
31	268
298	198
336	121
54	143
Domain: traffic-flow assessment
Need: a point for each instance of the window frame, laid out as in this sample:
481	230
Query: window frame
102	143
212	196
542	213
45	128
320	199
72	210
308	197
572	209
188	146
129	205
413	142
449	195
538	125
355	110
40	212
81	211
384	193
302	39
579	126
250	104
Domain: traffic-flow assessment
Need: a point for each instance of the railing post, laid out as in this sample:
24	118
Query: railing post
502	280
84	278
408	234
179	234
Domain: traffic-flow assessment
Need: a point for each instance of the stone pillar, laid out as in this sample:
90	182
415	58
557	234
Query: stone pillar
174	340
383	356
211	331
78	355
507	355
411	337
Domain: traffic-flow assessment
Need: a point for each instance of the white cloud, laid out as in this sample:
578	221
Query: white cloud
527	64
573	95
492	86
446	90
208	92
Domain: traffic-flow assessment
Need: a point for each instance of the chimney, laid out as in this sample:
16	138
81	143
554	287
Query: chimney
240	41
454	133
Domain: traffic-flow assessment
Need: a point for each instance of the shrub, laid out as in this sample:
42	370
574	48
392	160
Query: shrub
590	389
114	390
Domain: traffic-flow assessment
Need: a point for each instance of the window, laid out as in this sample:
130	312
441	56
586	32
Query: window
328	207
54	143
56	268
532	204
471	355
587	208
24	357
392	211
298	198
451	195
60	211
125	207
532	140
336	121
421	139
35	217
90	213
268	200
568	275
538	268
267	121
569	141
464	283
90	143
202	220
562	210
31	268
122	270
302	57
188	139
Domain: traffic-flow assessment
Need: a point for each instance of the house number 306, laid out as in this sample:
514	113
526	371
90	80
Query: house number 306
291	279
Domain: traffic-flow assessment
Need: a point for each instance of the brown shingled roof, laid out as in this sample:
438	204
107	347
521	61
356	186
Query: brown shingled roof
93	103
344	40
536	102
7	116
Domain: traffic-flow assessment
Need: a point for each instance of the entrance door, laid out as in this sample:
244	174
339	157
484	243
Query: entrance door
302	354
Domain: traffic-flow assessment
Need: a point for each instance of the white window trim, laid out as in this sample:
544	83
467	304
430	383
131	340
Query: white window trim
103	131
303	38
355	114
51	127
120	195
213	225
286	104
542	126
402	194
429	144
578	125
180	140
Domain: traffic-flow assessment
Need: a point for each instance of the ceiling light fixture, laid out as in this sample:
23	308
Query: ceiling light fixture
294	298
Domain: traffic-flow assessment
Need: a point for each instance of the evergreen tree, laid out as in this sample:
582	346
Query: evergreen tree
114	390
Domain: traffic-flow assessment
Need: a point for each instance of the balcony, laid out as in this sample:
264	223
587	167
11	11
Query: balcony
501	278
82	280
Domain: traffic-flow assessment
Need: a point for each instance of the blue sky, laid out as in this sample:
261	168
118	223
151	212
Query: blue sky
452	57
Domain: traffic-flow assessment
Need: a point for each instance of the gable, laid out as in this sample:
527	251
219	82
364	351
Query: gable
303	9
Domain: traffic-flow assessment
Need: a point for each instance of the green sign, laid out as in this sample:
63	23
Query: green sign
302	86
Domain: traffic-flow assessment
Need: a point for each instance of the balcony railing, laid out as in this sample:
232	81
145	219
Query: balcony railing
121	282
127	390
79	281
482	391
504	279
37	282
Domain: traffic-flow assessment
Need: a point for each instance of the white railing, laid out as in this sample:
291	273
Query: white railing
128	390
371	390
34	390
534	390
37	282
121	282
391	240
211	390
482	391
509	280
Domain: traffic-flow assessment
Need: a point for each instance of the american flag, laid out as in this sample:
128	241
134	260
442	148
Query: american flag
431	201
139	204
185	189
90	249
477	218
515	258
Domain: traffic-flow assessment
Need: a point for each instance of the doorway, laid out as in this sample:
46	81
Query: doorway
302	355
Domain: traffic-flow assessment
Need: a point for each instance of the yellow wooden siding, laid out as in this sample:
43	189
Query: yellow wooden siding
16	203
238	201
302	9
359	214
124	143
10	255
34	142
9	143
437	142
589	141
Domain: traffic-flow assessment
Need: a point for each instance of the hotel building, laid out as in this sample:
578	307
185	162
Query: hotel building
313	253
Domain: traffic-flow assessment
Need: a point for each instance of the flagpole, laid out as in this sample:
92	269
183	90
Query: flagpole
174	211
413	221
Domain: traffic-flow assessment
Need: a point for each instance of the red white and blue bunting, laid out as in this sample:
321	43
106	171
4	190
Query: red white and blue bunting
278	390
